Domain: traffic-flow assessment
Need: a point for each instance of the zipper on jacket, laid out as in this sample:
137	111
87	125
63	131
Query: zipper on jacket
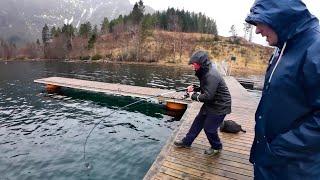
275	67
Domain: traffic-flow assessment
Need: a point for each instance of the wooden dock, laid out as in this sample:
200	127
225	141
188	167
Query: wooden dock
175	163
250	83
116	89
233	161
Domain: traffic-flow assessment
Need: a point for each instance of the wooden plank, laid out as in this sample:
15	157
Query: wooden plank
226	155
210	167
230	142
168	176
175	174
190	171
223	159
215	161
230	151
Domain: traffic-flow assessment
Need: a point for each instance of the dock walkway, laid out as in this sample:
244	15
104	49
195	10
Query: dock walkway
233	161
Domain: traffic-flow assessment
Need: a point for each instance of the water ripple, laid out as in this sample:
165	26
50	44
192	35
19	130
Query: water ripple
42	135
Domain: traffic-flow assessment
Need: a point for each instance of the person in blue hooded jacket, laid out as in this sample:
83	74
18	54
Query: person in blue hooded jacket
287	130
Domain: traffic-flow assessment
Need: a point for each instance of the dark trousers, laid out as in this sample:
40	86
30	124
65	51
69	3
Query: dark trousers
210	123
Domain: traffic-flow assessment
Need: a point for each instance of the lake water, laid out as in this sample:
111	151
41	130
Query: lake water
43	138
42	135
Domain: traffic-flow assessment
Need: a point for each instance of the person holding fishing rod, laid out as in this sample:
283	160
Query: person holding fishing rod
287	130
214	94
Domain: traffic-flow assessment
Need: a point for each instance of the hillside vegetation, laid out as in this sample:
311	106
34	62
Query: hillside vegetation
168	37
176	48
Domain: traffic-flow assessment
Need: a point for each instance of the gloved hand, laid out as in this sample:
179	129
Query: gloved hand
190	94
190	88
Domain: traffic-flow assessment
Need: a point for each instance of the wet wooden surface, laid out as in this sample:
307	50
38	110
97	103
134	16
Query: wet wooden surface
231	163
116	89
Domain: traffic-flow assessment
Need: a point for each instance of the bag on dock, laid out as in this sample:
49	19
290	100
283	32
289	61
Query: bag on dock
230	126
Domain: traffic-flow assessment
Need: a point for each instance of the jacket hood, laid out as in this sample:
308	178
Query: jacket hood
286	17
200	57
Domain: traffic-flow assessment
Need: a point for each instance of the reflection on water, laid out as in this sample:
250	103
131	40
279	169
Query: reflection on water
42	135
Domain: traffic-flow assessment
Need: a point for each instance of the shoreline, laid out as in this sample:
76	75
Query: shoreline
101	61
236	70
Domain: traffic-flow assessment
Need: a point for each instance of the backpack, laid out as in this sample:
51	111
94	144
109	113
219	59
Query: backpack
230	126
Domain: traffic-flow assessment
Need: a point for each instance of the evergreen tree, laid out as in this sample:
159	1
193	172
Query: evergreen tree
68	30
163	21
45	34
137	12
38	42
85	29
111	26
91	41
53	31
58	31
146	25
105	25
115	22
95	30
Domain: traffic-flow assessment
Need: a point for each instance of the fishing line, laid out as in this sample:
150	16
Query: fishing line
87	164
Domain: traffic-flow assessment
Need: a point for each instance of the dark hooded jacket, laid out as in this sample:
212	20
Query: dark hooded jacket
287	130
214	92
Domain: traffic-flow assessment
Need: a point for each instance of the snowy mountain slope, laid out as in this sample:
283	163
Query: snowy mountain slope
22	20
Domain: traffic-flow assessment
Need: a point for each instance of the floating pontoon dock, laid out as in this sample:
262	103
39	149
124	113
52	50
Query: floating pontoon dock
175	98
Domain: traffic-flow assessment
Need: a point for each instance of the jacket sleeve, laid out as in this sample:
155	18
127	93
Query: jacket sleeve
305	139
209	90
196	88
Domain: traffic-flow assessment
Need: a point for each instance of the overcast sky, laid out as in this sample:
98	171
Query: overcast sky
225	12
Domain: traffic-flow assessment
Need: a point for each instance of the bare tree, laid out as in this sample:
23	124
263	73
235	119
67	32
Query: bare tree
247	31
174	21
181	40
233	31
234	35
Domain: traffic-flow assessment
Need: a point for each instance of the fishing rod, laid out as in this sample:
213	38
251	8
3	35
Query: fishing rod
87	165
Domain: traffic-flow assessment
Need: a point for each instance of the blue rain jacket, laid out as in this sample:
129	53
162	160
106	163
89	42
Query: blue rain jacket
287	130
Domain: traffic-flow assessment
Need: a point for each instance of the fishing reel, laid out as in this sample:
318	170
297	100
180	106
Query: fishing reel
186	95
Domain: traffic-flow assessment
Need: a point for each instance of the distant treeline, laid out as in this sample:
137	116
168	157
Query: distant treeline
169	20
138	24
58	42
